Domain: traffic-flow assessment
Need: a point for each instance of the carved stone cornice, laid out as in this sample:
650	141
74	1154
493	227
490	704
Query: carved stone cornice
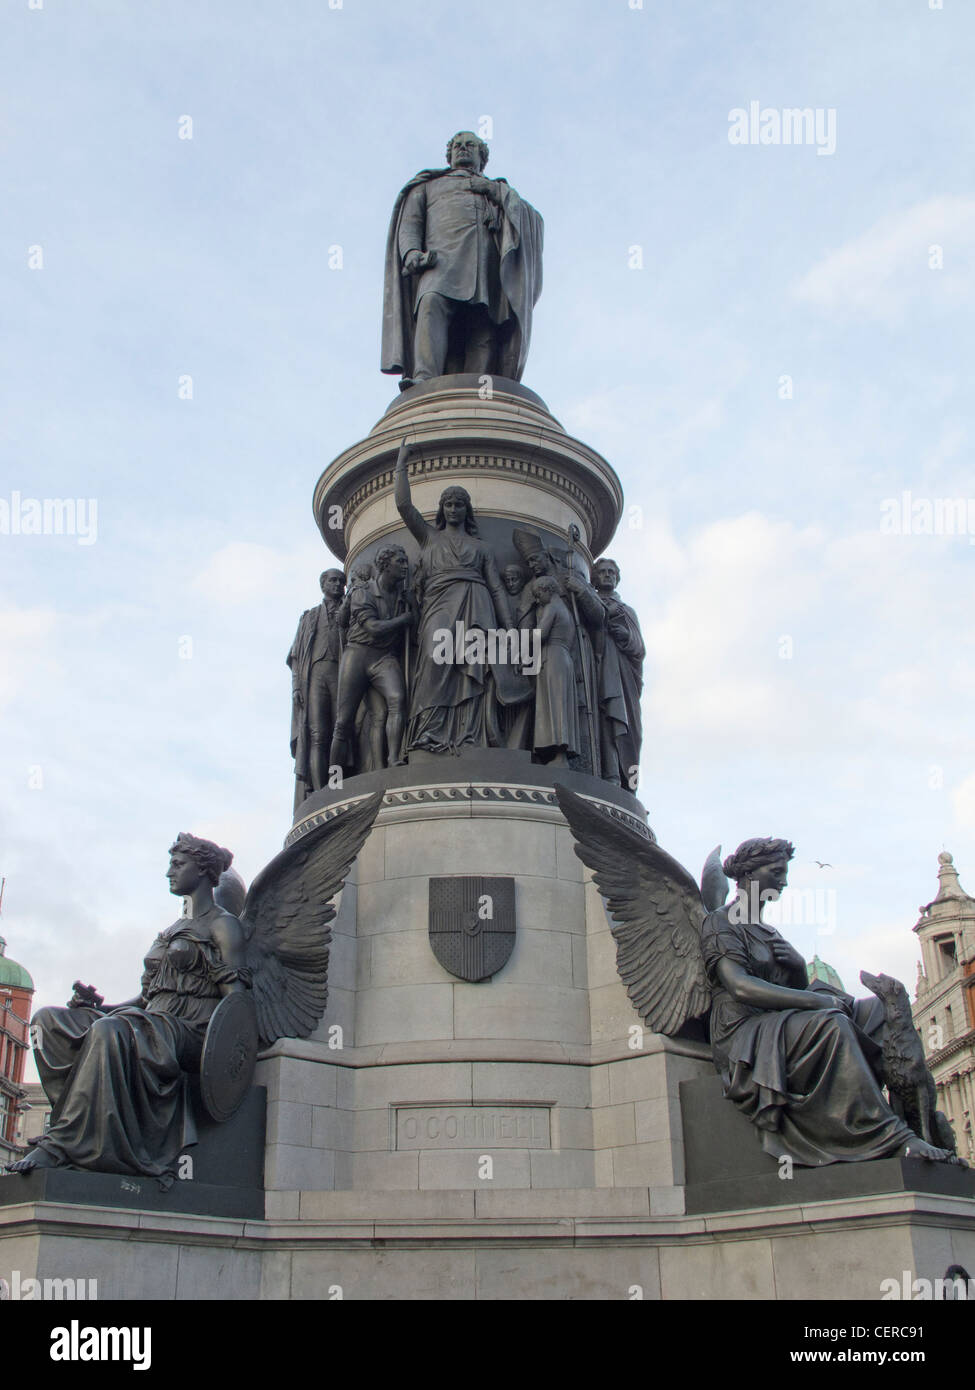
470	799
533	470
458	433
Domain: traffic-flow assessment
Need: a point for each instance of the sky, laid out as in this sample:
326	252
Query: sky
770	342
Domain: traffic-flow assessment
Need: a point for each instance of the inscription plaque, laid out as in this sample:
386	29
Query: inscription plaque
472	1127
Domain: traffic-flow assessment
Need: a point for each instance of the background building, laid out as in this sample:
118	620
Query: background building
35	1114
818	969
944	1012
16	992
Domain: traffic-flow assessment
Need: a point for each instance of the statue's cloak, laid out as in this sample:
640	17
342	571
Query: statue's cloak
520	255
621	683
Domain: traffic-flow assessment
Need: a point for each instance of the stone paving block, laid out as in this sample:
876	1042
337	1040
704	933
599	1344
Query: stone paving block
405	1013
717	1270
521	1011
440	1168
379	1171
370	1088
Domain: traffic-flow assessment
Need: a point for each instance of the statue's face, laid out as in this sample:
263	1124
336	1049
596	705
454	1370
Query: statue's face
605	577
465	151
333	585
771	879
398	566
184	875
454	508
514	579
539	563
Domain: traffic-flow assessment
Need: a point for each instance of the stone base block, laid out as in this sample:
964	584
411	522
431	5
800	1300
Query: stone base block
727	1168
222	1175
353	1120
498	1245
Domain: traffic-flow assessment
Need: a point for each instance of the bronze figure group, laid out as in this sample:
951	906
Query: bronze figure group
455	652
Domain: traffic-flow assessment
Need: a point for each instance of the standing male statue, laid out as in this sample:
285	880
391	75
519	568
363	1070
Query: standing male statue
381	612
463	272
620	680
314	660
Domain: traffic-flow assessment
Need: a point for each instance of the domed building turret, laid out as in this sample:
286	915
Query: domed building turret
944	1013
16	993
818	969
12	975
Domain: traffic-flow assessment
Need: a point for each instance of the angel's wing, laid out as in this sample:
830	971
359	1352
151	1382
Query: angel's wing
714	881
658	914
287	918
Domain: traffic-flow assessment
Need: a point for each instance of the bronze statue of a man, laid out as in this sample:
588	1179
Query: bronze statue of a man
381	611
463	272
620	680
314	660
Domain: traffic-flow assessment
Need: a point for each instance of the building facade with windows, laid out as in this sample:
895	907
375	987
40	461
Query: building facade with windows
944	1011
16	993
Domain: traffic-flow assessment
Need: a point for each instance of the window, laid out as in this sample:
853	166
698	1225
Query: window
947	955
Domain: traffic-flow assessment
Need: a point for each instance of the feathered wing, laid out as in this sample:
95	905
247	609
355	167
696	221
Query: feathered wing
287	919
714	882
657	915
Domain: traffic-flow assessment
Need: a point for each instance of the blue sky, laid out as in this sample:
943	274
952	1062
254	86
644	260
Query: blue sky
760	516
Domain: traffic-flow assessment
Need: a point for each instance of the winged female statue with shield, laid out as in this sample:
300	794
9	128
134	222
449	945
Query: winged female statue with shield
230	978
805	1063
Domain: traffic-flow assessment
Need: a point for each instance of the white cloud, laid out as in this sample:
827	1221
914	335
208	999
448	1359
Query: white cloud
243	572
713	645
24	641
963	804
877	274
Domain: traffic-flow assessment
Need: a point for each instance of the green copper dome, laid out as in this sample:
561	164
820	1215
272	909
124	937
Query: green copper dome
818	969
12	975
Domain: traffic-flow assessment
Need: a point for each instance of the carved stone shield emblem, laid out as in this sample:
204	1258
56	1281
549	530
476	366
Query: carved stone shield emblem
229	1055
472	925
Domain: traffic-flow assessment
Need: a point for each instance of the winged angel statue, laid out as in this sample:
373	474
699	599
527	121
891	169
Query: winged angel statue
218	985
804	1063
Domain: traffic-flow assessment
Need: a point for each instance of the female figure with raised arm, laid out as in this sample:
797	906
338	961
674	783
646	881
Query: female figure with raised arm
457	582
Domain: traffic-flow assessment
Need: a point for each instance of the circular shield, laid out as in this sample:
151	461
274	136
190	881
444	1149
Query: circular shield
229	1055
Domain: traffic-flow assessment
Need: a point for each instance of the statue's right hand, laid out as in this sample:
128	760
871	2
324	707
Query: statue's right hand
299	699
412	262
85	997
405	450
